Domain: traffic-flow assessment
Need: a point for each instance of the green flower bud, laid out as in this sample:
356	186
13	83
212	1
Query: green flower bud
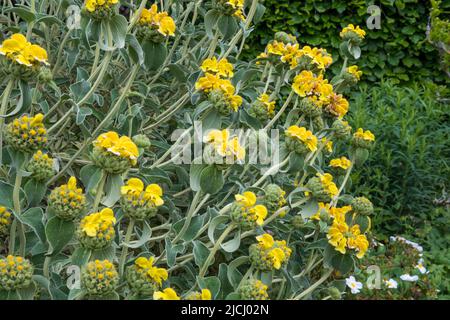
18	71
96	231
26	133
322	187
363	139
138	211
274	198
293	144
144	278
109	162
259	111
101	12
15	273
362	206
220	102
309	109
248	218
45	75
334	293
146	33
269	258
141	141
341	129
253	290
285	38
298	222
99	278
67	201
5	221
139	282
41	166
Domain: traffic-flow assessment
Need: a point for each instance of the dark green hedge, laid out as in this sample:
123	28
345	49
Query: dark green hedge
399	50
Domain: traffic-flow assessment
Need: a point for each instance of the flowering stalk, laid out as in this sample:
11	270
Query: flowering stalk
314	286
17	210
213	251
99	191
123	256
278	115
102	124
5	98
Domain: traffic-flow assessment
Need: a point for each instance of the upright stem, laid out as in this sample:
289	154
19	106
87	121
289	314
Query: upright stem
17	210
216	247
3	109
189	216
283	108
100	127
124	254
314	286
99	194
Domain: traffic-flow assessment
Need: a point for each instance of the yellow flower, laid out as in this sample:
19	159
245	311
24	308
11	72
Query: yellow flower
260	212
269	251
211	81
341	236
166	294
358	241
291	53
337	105
351	28
277	255
365	135
339	213
341	162
303	135
206	294
270	105
353	70
18	49
123	146
98	221
265	241
154	273
223	145
246	199
275	48
328	144
161	21
238	6
219	67
306	84
328	184
135	190
320	57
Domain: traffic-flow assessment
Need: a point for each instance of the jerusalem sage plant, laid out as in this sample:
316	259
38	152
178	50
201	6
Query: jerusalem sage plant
100	199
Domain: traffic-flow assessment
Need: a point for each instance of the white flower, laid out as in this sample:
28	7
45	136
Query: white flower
391	284
421	267
407	277
354	285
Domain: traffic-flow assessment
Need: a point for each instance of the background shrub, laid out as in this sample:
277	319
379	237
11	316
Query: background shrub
399	50
409	167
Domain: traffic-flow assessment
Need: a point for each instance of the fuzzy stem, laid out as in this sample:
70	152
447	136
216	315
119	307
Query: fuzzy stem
314	286
17	210
213	251
3	109
102	124
123	256
99	194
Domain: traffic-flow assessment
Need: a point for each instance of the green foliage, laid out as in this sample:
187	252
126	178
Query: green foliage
409	165
398	50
